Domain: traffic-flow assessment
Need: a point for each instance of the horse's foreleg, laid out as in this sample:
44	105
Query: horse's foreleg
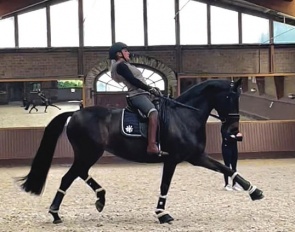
168	171
33	107
207	162
45	110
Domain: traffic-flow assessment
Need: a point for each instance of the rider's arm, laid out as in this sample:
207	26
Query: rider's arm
124	71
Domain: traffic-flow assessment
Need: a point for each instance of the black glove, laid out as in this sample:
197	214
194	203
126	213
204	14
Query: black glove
155	91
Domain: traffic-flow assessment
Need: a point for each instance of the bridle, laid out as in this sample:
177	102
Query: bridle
229	117
232	114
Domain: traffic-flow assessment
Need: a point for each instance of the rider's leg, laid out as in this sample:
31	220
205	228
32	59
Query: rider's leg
144	104
152	147
226	155
234	158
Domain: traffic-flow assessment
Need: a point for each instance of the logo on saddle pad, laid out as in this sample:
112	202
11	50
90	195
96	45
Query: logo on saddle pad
132	125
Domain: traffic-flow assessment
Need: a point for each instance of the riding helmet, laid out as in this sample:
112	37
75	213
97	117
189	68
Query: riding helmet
116	47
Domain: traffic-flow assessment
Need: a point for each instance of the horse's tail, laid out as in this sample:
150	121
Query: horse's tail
35	180
26	104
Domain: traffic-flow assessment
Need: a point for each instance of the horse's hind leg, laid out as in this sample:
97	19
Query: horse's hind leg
99	191
80	169
207	162
66	182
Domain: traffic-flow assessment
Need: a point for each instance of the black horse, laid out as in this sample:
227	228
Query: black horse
92	130
38	102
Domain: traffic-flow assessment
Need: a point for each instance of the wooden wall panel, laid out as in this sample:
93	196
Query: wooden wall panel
260	138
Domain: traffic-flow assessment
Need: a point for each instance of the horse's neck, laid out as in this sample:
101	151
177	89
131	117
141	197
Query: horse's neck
202	105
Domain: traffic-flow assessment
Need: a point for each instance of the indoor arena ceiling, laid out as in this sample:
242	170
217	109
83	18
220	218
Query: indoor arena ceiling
276	9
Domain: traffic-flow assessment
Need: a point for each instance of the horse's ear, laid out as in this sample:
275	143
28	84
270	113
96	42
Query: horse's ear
237	84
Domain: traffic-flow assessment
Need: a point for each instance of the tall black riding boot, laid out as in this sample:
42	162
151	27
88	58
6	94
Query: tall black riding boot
152	148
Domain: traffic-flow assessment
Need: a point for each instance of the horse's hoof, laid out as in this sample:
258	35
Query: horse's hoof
166	218
99	205
57	221
56	218
257	195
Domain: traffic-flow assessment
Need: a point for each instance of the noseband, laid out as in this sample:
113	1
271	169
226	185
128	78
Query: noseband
232	115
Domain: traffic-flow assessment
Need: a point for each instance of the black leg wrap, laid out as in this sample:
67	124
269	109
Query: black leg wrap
54	208
161	203
241	181
100	193
161	214
92	183
254	192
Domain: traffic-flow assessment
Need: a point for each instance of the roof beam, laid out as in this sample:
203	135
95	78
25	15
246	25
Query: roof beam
12	6
284	6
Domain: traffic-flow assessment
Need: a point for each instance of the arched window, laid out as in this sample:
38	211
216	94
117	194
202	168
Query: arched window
105	83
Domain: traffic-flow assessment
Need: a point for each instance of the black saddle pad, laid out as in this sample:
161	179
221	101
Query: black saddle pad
132	126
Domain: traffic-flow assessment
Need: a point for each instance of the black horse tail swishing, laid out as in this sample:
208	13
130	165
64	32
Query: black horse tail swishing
34	182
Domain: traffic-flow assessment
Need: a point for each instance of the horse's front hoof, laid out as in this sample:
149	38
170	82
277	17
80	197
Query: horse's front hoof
99	205
256	195
164	217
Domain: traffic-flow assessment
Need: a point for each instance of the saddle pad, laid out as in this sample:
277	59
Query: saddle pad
131	126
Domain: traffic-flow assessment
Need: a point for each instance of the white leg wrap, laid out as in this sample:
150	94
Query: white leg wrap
88	178
53	211
99	190
252	189
161	212
163	196
234	175
61	191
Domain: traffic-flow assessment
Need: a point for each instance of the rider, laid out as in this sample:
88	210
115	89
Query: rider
138	90
42	96
230	155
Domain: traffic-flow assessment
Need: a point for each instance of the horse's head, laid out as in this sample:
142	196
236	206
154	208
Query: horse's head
227	106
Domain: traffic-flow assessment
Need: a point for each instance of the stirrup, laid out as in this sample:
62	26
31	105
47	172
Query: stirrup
163	153
160	153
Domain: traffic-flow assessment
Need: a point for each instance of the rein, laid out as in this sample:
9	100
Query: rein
190	107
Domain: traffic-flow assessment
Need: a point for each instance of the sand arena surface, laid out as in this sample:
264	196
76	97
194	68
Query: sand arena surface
196	200
14	115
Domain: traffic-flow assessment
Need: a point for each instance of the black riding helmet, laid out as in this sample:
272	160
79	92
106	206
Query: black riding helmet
116	47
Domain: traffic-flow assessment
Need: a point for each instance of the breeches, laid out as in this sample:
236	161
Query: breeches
143	103
230	155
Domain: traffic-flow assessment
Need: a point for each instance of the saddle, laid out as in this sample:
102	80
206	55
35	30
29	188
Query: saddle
133	122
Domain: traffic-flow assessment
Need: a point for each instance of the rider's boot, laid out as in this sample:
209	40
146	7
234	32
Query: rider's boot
152	148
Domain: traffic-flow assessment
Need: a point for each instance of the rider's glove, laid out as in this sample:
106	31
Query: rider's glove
155	91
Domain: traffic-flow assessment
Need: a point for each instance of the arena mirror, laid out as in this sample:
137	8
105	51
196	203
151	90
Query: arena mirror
17	99
265	97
